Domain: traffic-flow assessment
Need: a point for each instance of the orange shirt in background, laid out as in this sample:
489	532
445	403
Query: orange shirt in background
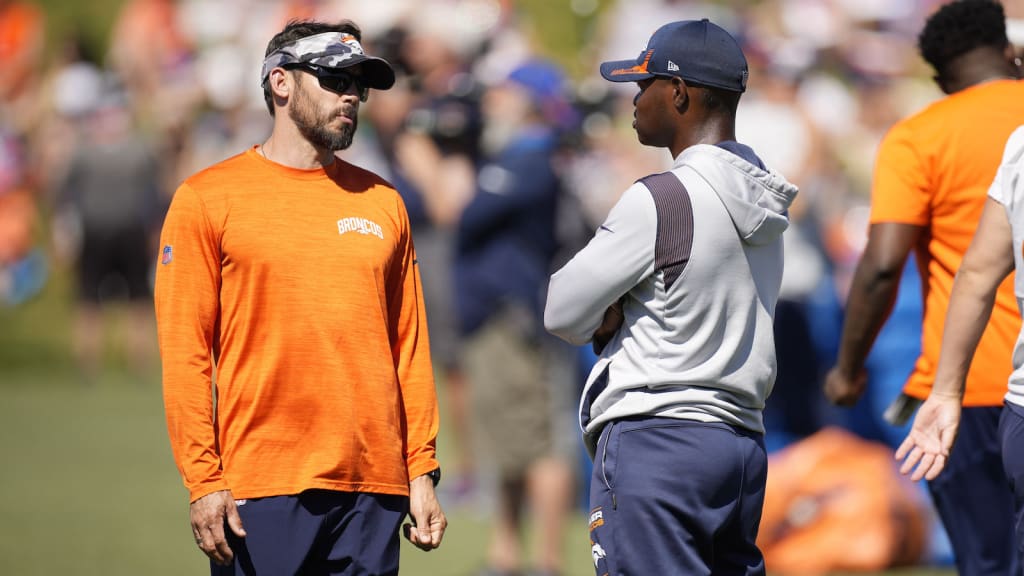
934	170
151	30
303	285
22	35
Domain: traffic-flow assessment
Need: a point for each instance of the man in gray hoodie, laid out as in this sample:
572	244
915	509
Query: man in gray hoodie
677	292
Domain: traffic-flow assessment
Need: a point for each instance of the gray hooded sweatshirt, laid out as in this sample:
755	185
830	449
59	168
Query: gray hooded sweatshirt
698	274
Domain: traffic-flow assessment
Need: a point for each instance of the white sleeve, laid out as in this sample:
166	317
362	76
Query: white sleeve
617	258
1006	181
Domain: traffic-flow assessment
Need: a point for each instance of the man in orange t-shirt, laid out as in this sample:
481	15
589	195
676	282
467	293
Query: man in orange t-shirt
294	272
931	179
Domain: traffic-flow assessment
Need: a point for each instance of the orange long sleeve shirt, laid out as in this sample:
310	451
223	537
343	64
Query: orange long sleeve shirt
302	287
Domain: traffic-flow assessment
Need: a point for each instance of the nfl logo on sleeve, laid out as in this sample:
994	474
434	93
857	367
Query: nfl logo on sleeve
168	255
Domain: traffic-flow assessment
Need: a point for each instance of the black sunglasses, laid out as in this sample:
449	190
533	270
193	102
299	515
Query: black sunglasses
337	81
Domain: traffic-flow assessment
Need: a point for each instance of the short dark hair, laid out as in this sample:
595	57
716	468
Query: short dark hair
959	27
296	29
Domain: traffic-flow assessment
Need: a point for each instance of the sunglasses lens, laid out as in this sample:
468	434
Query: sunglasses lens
341	81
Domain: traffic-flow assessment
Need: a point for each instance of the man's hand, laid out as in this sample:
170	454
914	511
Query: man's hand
428	521
842	390
931	438
208	514
610	324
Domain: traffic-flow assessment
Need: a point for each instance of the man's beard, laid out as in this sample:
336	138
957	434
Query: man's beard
314	126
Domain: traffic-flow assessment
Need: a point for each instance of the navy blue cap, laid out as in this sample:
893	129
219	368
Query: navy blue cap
698	51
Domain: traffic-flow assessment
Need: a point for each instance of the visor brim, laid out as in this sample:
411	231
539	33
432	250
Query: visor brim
624	71
378	73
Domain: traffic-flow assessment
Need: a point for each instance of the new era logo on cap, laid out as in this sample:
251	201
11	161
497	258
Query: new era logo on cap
672	66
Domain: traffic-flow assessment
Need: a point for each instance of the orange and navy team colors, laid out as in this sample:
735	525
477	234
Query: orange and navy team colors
301	286
934	170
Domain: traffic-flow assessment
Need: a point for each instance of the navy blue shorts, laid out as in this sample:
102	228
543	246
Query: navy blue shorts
1011	430
672	496
317	533
974	499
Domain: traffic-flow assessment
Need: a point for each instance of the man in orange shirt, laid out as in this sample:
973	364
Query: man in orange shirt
294	273
931	177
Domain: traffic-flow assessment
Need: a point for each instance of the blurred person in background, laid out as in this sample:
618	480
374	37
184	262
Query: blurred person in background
433	161
23	264
770	114
155	59
22	40
294	272
931	176
677	290
995	251
521	379
73	86
152	51
109	207
224	40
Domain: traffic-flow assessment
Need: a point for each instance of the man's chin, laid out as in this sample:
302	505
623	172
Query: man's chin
332	141
325	136
343	138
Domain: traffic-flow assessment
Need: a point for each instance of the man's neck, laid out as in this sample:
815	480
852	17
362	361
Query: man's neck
710	131
977	67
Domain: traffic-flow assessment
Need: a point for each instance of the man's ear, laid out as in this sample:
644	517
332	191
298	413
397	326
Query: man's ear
280	85
680	93
1011	56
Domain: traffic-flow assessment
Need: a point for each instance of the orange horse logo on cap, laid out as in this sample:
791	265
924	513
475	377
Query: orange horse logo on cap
636	69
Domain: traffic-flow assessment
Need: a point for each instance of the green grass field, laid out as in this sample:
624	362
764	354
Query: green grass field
88	486
87	482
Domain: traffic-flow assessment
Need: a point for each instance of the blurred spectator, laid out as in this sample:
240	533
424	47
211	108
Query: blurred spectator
22	38
23	269
770	116
71	89
439	146
433	159
521	378
154	58
821	486
607	160
110	200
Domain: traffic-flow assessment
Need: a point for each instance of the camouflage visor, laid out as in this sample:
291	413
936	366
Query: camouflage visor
331	50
